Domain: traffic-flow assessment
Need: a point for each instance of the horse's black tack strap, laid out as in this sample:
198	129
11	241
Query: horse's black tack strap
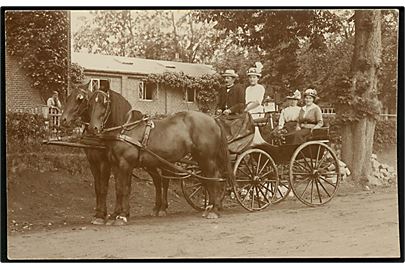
138	144
149	125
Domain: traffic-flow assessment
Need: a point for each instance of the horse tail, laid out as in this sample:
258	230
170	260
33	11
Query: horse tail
223	156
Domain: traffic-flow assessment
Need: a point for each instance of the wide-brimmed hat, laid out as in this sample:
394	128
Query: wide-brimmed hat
55	92
257	70
230	73
254	71
296	95
311	92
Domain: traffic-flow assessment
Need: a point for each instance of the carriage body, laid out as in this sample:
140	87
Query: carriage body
267	173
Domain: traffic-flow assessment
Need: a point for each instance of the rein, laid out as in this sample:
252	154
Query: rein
124	126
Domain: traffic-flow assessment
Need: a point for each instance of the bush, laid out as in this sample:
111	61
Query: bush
385	133
26	131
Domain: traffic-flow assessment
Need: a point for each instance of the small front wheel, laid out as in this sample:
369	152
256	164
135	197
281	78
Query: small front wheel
256	179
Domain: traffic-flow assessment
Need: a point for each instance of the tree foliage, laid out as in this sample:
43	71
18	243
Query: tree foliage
39	40
276	36
157	34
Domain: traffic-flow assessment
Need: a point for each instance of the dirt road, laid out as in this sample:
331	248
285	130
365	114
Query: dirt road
362	224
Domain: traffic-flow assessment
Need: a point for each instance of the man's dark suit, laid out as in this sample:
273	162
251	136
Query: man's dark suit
234	100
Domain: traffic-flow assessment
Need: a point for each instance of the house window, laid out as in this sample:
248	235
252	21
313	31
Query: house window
99	84
190	95
147	90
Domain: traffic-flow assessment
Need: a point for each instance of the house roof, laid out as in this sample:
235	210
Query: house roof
131	65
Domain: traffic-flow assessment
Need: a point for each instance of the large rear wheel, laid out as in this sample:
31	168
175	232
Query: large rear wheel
314	173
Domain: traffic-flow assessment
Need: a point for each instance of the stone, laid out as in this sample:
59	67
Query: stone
374	181
332	167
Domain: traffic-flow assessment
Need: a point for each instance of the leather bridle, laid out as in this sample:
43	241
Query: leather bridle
108	109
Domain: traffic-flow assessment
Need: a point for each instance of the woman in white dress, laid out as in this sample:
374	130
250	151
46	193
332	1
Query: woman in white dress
254	96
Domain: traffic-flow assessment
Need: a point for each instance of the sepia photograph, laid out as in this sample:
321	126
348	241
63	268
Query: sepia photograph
167	134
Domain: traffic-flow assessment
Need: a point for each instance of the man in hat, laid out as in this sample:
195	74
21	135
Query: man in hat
231	97
53	101
289	115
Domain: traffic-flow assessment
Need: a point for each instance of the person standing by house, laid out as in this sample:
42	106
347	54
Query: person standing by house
54	102
232	96
289	116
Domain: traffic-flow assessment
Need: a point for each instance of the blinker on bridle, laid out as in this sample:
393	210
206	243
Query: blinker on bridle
84	97
107	101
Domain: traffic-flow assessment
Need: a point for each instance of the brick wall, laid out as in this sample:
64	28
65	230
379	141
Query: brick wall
19	93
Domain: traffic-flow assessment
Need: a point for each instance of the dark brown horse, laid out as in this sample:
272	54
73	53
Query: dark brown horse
77	107
171	138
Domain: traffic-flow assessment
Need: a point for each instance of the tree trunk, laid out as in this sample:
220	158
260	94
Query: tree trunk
357	137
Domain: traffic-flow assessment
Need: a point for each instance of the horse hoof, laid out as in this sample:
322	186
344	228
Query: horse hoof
110	222
162	213
120	221
212	215
98	221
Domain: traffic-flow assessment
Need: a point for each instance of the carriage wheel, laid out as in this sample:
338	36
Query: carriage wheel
195	193
314	173
256	179
284	187
193	190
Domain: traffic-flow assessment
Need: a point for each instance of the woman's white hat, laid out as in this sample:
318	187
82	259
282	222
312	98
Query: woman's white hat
230	73
257	70
311	92
296	95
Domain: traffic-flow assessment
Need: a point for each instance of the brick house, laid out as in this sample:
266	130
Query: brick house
20	95
127	75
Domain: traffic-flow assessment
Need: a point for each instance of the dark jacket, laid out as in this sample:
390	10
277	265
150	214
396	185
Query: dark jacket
233	100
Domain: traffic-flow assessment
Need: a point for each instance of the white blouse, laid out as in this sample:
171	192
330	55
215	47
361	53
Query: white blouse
255	94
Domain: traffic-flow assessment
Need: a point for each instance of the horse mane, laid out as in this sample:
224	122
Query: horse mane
119	109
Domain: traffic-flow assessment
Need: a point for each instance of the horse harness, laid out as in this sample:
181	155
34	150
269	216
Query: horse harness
142	146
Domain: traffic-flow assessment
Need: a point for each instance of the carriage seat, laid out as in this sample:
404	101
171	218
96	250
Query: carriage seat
319	134
260	122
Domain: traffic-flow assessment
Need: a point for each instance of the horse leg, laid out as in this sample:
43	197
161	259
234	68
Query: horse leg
95	171
210	169
124	183
165	204
118	198
158	190
102	190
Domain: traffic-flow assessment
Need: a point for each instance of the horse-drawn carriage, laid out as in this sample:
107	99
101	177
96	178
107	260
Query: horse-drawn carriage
267	173
262	174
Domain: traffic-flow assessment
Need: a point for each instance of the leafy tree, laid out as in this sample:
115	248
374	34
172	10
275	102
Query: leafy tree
388	75
276	35
39	40
158	34
358	99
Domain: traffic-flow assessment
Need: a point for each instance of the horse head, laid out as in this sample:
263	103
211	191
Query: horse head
76	105
100	110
